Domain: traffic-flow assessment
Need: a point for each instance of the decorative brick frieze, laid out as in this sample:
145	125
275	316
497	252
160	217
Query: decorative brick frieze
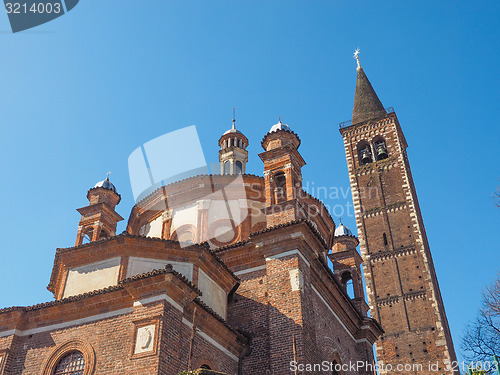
385	255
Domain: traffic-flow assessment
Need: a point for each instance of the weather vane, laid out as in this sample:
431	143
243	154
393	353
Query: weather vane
107	175
234	117
356	56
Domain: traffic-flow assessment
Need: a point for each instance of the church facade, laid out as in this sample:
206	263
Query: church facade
230	273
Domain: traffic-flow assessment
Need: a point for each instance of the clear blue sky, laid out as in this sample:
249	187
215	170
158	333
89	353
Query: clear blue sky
79	94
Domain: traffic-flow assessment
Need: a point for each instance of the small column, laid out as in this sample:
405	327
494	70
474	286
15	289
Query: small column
167	224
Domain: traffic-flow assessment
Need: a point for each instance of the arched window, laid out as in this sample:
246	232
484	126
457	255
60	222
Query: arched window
227	167
238	167
364	153
348	284
185	233
205	367
186	237
385	239
380	148
280	187
87	236
335	368
72	363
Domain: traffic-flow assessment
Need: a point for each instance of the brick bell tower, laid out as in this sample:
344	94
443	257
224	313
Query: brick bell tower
99	218
283	176
402	287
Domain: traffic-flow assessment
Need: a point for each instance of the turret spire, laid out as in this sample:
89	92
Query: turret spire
367	105
233	155
234	118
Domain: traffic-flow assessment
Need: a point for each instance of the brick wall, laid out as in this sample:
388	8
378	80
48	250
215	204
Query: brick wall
402	287
113	342
272	307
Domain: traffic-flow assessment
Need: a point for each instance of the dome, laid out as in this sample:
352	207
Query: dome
106	184
342	230
232	130
279	126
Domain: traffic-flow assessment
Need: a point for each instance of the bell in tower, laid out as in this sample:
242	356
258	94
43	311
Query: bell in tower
381	150
233	155
366	155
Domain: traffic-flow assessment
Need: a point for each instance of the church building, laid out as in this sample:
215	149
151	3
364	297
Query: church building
229	273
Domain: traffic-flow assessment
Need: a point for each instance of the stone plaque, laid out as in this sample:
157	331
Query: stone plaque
296	279
145	339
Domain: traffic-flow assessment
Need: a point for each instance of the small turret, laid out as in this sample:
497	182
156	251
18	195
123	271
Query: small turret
233	156
347	266
283	176
99	218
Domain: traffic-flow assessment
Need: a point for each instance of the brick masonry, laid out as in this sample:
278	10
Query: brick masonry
284	303
401	282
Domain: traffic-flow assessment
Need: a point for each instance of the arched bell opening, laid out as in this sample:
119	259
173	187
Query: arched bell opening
380	148
280	187
87	236
335	368
227	167
364	153
336	365
103	235
347	283
238	167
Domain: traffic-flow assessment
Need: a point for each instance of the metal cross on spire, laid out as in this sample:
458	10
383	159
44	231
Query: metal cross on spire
234	117
107	175
356	56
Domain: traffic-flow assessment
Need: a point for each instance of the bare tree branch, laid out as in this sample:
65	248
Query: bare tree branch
481	339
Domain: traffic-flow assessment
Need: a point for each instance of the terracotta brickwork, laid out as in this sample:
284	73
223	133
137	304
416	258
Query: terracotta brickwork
106	324
288	293
175	291
401	282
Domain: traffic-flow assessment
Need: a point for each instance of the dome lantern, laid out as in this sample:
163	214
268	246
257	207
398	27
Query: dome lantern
233	155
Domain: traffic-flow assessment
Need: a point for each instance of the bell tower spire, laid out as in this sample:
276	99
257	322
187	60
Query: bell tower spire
367	105
233	155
